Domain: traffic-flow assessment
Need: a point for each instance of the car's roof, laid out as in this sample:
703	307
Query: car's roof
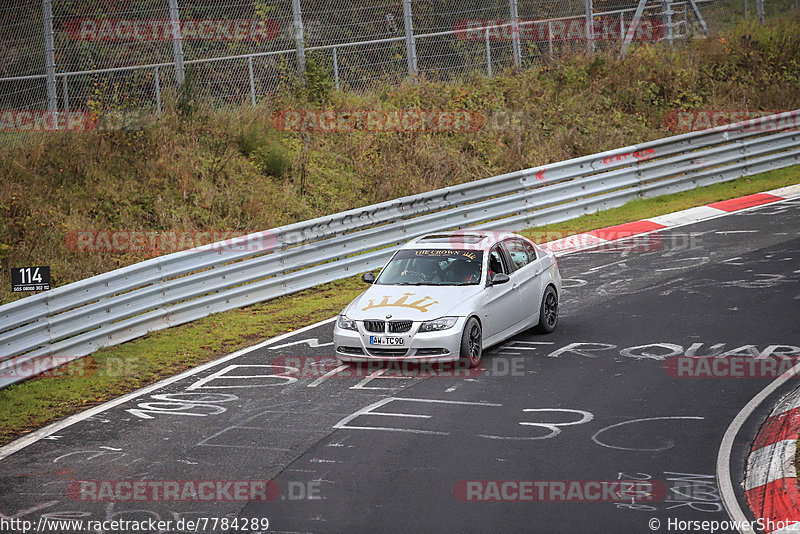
461	239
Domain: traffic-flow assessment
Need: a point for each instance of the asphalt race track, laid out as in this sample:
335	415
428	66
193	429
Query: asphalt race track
591	402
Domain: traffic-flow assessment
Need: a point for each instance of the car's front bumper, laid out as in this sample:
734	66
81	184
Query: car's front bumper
441	346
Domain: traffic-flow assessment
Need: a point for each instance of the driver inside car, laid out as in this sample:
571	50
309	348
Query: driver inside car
464	271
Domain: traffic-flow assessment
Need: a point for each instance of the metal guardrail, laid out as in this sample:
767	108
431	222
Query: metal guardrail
71	321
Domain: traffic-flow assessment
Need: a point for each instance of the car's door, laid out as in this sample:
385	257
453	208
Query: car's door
528	275
502	303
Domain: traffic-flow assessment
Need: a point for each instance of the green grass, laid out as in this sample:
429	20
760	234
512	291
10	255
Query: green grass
125	368
652	207
113	371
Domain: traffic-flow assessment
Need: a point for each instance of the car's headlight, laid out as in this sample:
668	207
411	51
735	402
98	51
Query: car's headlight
442	323
347	323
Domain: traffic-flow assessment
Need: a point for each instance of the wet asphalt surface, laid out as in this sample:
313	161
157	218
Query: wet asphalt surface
594	401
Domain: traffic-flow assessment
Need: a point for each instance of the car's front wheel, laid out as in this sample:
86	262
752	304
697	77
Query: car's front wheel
471	343
548	311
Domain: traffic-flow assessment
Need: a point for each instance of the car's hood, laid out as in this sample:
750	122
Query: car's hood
417	303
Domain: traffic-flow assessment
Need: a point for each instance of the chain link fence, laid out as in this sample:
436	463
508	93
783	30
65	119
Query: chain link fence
65	60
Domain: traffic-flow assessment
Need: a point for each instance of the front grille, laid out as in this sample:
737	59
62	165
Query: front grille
397	327
374	326
350	350
388	352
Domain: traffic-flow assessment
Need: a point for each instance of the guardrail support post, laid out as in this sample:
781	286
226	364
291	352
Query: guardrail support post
158	91
515	47
50	59
177	43
297	15
589	26
411	43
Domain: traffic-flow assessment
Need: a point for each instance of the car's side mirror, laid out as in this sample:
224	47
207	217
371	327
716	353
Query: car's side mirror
499	278
368	278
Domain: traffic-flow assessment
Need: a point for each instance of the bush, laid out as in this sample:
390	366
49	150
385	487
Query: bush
272	159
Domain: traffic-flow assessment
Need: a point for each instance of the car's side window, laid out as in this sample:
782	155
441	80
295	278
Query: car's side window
522	253
497	262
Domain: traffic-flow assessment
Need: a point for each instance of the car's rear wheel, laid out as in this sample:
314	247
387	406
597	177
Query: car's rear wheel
471	343
548	311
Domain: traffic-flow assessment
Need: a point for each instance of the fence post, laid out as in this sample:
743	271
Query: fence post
335	68
686	32
297	16
177	43
252	80
158	91
631	33
488	54
50	59
65	96
666	15
550	37
700	20
411	43
517	51
589	26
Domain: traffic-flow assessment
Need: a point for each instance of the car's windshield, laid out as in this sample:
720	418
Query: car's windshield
433	267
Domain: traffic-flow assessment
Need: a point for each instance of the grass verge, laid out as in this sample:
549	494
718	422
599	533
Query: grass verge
652	207
118	370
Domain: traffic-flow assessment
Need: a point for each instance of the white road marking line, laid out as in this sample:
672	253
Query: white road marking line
311	342
791	192
721	214
226	446
321	379
390	414
368	410
51	429
786	192
724	480
596	439
687	216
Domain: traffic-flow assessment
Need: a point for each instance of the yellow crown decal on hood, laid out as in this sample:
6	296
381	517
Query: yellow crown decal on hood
402	302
